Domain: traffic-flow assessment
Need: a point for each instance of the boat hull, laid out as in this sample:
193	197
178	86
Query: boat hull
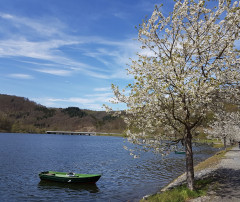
180	152
66	178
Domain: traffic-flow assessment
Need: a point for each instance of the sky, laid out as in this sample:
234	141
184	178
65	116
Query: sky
64	53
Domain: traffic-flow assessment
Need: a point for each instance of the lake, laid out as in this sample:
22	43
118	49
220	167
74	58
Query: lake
124	178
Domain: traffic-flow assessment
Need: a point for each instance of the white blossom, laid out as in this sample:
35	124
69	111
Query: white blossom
194	68
226	126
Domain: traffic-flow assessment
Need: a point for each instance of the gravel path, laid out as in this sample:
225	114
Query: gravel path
226	184
227	180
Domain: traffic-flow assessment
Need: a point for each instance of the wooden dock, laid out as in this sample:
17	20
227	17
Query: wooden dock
71	133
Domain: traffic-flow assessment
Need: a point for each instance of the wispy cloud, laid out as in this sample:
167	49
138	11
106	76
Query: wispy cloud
58	72
83	103
102	89
49	45
102	97
20	76
43	26
43	50
121	15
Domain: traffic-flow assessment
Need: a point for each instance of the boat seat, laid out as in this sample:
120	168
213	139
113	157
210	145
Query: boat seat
71	174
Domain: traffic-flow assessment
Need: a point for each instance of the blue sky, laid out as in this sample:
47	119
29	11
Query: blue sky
62	53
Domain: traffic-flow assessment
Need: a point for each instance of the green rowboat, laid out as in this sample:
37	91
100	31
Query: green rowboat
180	152
69	177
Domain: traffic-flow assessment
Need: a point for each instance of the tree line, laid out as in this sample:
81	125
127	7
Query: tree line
20	115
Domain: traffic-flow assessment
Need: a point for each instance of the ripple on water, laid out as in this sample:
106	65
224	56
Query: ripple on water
123	177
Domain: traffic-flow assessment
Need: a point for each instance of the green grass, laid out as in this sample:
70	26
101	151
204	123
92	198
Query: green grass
181	193
214	142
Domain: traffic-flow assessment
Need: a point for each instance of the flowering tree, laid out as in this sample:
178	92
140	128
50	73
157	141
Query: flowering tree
191	65
226	125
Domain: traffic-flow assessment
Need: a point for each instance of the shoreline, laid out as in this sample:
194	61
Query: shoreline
203	170
203	173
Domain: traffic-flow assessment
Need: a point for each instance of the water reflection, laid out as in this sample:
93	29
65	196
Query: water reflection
91	188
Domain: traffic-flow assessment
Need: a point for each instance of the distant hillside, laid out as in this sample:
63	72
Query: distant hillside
18	114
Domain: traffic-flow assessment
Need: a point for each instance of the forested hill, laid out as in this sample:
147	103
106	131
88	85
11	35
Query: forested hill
18	114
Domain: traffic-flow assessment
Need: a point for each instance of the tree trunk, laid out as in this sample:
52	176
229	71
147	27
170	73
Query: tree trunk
189	161
225	142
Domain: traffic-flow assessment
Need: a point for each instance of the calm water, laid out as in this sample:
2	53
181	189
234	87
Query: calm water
23	156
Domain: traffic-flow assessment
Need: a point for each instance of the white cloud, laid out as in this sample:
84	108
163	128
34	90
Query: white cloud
101	97
6	16
38	50
82	103
58	72
102	89
79	100
49	49
43	26
20	76
121	15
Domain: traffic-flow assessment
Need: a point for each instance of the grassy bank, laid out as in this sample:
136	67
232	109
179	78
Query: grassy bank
216	143
212	161
182	193
213	143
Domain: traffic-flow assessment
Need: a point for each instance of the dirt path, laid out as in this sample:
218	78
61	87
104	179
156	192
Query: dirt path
226	185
